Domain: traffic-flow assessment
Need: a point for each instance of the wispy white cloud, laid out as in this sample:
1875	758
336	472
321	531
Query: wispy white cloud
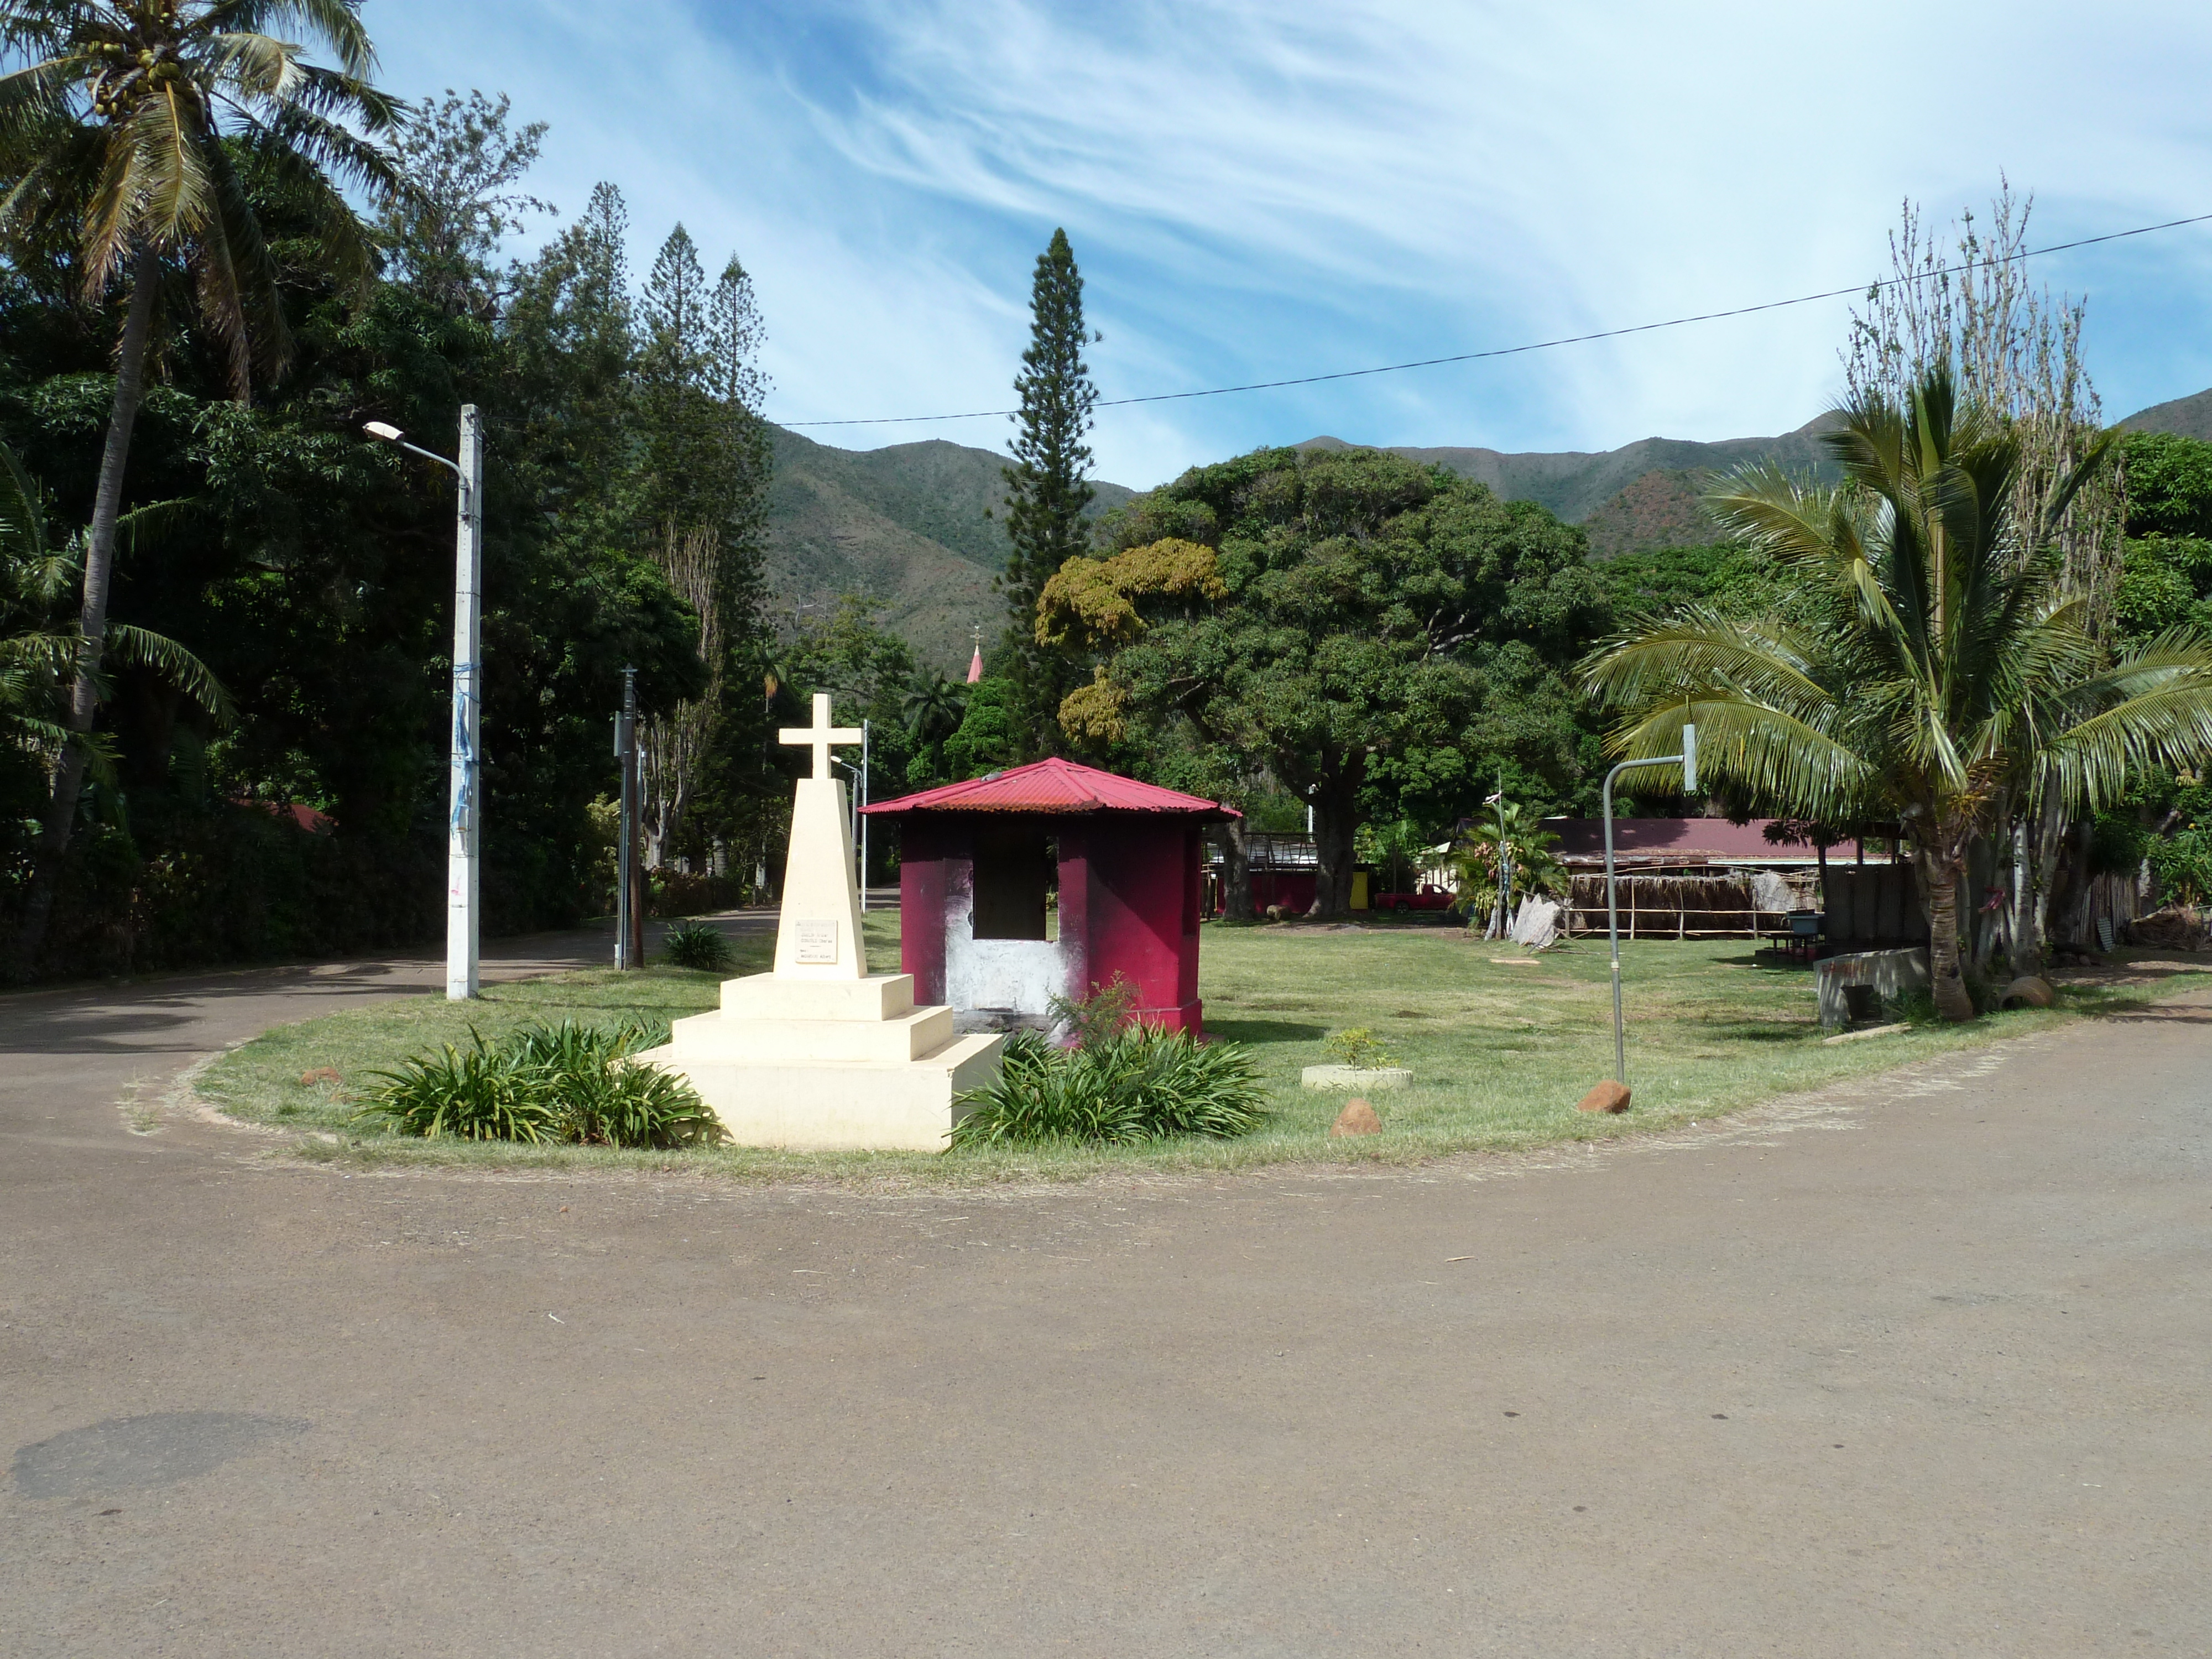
1257	191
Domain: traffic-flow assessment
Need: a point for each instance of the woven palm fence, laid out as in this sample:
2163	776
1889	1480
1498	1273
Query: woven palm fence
1675	907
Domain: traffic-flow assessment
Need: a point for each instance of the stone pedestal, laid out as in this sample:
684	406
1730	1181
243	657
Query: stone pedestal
822	1064
821	1054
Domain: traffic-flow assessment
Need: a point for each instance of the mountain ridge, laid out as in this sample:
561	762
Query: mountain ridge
913	524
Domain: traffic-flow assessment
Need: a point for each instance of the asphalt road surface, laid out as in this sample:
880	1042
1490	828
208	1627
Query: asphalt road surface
1914	1367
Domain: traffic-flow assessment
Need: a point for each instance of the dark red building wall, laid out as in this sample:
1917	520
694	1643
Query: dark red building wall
925	871
1129	897
1141	896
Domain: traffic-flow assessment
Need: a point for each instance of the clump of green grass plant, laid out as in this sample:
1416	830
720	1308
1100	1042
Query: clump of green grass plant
1133	1084
572	1082
695	945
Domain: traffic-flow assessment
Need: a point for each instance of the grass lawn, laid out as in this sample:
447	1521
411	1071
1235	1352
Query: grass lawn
1501	1046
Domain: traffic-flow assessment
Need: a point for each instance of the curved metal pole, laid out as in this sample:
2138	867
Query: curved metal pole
1687	760
1613	928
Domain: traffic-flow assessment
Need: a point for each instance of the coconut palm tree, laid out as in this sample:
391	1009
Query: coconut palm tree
932	706
1933	662
38	649
127	140
1527	853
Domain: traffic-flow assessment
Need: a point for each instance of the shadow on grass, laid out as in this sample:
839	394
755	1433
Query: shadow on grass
1256	1032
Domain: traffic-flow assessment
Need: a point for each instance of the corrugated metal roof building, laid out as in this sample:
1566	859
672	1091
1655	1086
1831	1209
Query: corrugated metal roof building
1051	879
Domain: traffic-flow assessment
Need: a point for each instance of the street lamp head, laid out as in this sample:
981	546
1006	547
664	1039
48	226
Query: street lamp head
390	433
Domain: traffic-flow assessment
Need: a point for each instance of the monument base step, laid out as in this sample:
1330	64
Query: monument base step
914	1034
836	1105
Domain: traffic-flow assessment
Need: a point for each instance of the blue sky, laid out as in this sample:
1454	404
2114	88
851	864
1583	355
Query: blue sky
1259	190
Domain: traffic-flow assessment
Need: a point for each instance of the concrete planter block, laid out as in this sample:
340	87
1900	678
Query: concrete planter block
1884	973
1354	1077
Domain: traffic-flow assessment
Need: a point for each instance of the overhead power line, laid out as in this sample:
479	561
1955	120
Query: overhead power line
1541	345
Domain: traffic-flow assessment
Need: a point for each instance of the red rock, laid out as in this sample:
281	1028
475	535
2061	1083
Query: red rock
1357	1118
1607	1096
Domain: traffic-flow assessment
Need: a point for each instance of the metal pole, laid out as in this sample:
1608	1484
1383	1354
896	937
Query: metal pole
1498	912
626	846
864	823
465	817
1613	925
1687	760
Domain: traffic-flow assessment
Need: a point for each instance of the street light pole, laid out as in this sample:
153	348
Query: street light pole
626	850
1687	760
465	803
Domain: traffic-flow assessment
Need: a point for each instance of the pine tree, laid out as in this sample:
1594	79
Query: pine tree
707	459
1048	491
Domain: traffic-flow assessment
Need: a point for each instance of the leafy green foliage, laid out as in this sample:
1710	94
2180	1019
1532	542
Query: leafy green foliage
1358	1047
1727	576
1526	846
310	569
1934	663
2169	484
1141	1084
569	1082
697	946
1390	637
987	739
479	1093
1097	1017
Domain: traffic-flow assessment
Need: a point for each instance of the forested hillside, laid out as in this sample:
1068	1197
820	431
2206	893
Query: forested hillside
908	524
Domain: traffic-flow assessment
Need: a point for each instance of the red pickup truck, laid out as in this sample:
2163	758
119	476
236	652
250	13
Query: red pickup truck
1426	898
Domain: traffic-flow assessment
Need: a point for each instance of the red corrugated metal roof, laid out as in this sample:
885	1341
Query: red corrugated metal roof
1715	839
1051	785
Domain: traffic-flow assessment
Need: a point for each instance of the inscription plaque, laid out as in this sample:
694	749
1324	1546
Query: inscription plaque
817	943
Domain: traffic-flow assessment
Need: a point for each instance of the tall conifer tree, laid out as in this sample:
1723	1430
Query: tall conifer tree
1047	487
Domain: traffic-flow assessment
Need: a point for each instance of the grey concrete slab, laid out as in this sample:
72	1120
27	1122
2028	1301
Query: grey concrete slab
1917	1366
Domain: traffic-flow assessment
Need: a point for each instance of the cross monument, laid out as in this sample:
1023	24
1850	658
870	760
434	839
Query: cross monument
818	933
820	736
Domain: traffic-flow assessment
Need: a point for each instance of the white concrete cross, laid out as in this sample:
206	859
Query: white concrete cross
819	736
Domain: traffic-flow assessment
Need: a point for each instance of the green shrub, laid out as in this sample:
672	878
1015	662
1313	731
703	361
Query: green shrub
695	945
1358	1048
1138	1084
477	1094
1098	1016
569	1082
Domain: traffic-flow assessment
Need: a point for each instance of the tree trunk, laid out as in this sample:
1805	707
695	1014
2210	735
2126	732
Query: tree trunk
1237	872
2043	838
1335	820
1941	879
98	572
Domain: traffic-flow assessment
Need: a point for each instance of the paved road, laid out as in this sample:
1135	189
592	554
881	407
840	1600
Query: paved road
1915	1369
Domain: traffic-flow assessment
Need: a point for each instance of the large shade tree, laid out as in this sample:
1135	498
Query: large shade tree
1934	662
132	136
1377	635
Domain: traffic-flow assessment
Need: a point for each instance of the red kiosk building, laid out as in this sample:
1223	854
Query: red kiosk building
980	863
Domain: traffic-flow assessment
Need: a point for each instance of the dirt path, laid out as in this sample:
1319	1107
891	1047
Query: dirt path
1917	1367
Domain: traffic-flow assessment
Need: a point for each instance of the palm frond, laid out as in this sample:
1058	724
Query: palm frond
336	23
1771	752
22	523
135	647
1697	649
